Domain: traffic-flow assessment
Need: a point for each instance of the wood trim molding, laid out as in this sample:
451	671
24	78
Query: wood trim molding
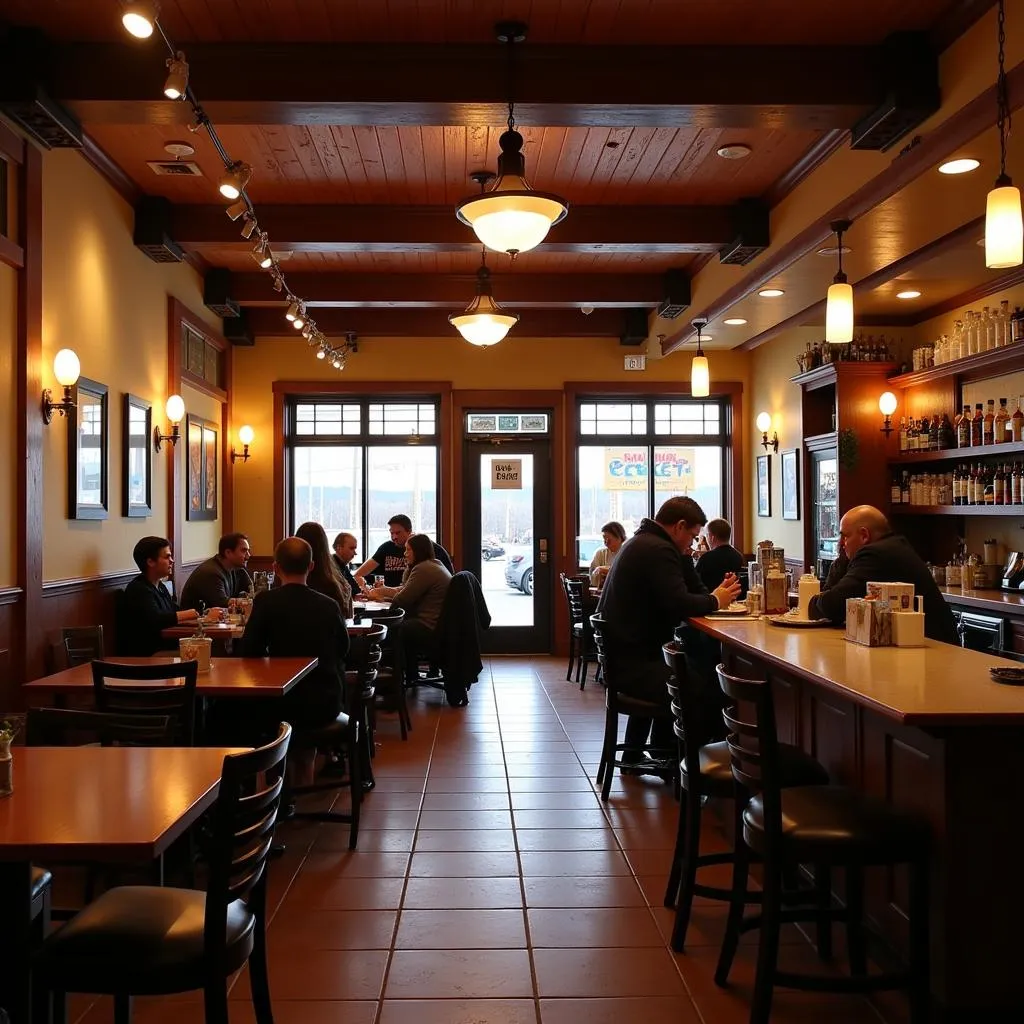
812	159
81	584
202	385
362	387
12	145
115	176
11	253
11	595
1001	283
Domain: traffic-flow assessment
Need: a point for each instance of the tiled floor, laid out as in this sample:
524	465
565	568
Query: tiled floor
491	886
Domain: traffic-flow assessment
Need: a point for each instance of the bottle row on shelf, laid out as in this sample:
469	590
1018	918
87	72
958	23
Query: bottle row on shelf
976	484
861	350
977	332
984	428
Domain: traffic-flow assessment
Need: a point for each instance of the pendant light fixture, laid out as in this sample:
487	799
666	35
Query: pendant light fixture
700	371
1004	226
839	306
511	217
483	322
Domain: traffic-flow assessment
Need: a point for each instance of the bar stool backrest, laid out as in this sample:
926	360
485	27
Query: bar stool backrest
686	708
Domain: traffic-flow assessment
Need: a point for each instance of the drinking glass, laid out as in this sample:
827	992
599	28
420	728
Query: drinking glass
378	581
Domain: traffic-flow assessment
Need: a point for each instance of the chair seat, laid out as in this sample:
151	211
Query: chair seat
41	878
627	705
333	733
797	769
833	823
143	940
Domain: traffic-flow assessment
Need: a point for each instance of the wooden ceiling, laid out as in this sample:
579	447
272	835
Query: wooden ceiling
360	153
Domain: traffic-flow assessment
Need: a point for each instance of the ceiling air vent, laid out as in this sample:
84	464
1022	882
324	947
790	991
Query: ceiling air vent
45	120
181	168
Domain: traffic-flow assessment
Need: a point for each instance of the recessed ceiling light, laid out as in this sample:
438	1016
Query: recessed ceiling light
735	321
737	151
771	293
834	250
909	294
959	166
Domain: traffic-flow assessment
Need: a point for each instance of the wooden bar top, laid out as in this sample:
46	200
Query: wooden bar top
98	804
934	685
214	630
228	677
996	602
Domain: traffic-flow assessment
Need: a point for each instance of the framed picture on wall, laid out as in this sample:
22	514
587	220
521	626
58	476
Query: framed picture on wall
764	486
87	451
200	469
137	458
791	483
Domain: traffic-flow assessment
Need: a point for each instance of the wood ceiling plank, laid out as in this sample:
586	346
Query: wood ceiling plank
632	152
481	153
308	155
569	157
348	150
316	16
326	147
279	141
590	157
456	175
433	156
414	164
390	147
652	156
368	144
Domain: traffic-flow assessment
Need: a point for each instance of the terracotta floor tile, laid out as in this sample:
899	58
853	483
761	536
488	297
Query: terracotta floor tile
588	927
531	800
650	1010
583	892
565	839
292	933
607	972
475	769
323	975
475	864
463	894
453	841
458	1011
371	819
379	800
345	894
456	784
496	801
568	770
574	863
334	839
397	784
635	839
549	784
650	862
329	865
459	974
307	1011
591	818
461	929
466	820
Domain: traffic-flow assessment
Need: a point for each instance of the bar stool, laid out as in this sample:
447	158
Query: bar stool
704	771
828	825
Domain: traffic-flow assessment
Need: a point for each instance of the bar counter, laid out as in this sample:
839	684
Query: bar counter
928	730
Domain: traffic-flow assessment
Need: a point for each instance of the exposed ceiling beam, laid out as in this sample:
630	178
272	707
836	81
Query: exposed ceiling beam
361	228
420	323
805	87
453	291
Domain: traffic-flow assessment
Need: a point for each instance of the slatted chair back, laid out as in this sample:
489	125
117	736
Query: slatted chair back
82	644
66	727
686	708
135	690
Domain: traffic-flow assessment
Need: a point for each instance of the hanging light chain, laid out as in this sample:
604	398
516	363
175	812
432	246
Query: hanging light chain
510	45
1003	118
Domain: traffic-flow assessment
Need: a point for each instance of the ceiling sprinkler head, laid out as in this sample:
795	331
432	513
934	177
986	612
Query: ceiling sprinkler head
586	309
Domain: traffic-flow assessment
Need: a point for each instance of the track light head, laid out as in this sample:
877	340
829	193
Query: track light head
233	183
237	209
139	18
177	77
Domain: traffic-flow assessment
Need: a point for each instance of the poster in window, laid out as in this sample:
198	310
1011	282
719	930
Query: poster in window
137	458
790	484
87	451
764	486
201	469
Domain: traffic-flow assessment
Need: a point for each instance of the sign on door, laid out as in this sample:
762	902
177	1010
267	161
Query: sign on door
507	475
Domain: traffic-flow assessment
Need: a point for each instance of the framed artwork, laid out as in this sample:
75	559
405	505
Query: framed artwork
764	486
791	483
200	469
88	437
137	458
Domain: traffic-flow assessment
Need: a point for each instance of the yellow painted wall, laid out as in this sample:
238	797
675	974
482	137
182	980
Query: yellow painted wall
8	424
516	364
107	301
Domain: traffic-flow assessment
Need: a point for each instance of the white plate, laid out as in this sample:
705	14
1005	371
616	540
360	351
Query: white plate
733	609
795	623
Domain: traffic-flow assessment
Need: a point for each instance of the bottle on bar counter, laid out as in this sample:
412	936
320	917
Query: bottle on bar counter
990	486
947	435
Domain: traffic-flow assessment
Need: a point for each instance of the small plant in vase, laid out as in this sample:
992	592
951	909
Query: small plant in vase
9	728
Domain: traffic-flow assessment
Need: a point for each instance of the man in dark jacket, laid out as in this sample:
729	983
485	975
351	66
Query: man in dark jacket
721	557
651	587
214	582
877	555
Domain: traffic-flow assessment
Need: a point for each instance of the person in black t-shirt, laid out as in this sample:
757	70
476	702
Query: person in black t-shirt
389	558
721	558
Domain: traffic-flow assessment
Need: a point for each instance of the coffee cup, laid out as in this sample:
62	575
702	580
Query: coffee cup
196	648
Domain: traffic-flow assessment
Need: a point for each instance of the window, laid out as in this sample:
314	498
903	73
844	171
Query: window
200	358
353	464
632	456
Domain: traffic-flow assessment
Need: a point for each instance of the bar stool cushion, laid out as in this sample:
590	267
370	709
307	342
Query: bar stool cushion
797	768
154	936
40	879
823	823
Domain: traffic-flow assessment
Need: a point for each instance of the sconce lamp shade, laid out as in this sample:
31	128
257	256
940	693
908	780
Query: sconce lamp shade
887	403
66	368
839	314
764	422
1004	228
246	434
700	377
175	408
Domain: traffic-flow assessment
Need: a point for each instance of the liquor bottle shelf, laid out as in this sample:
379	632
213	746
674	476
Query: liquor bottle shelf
976	367
959	454
957	510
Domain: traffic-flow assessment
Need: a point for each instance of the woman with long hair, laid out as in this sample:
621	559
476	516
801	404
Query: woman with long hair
324	577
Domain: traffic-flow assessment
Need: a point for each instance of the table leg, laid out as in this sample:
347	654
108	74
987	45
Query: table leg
15	941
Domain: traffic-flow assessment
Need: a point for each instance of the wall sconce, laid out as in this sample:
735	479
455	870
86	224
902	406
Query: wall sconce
175	409
66	368
245	435
887	406
764	422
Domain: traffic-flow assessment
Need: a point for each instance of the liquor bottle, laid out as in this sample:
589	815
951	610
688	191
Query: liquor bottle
1017	423
903	433
912	435
1017	325
971	330
896	490
989	430
1018	481
933	433
977	426
1007	484
956	485
905	488
990	487
1001	422
947	435
988	330
922	435
963	428
998	482
1003	324
956	339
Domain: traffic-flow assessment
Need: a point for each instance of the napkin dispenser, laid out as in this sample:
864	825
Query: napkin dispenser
869	621
908	627
899	595
776	592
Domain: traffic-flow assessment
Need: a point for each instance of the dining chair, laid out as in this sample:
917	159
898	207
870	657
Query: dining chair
586	651
67	727
82	644
149	941
135	690
390	684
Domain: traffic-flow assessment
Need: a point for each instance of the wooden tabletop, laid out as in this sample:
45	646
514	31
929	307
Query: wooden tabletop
102	804
228	677
934	685
215	630
371	606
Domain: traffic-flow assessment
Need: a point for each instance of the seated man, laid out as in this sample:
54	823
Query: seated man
293	621
214	582
877	555
721	557
146	607
389	558
344	551
650	588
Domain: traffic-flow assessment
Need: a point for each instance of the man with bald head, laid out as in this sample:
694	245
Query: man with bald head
877	555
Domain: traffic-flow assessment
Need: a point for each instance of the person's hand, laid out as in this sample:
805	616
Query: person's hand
727	592
215	615
375	593
730	577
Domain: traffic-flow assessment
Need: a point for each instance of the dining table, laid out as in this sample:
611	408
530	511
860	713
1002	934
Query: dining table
94	806
214	630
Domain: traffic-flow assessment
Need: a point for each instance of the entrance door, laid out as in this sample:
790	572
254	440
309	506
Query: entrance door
507	530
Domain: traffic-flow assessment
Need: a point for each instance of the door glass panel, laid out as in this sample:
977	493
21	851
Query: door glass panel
507	541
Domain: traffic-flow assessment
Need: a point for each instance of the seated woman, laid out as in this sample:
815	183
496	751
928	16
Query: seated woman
324	577
424	585
613	534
